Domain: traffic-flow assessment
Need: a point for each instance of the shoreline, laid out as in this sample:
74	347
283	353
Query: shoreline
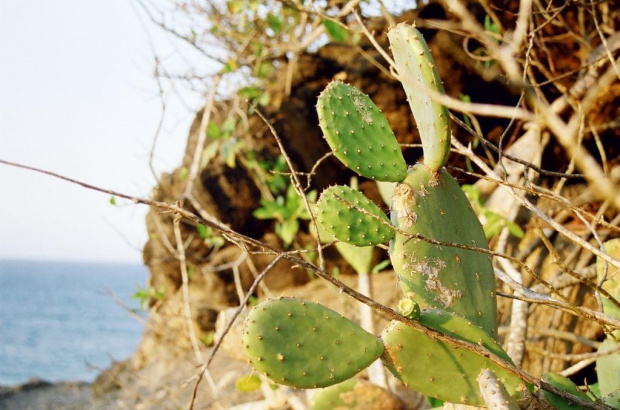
42	394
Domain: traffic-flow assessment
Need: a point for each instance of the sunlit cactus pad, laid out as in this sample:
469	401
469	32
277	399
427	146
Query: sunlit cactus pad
338	211
608	372
437	369
303	344
433	205
418	73
564	384
609	275
359	134
355	394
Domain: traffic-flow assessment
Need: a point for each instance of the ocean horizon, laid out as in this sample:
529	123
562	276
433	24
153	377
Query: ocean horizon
59	319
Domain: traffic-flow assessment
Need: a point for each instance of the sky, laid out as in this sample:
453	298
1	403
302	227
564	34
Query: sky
78	97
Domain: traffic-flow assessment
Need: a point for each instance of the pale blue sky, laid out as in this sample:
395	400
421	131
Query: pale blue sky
77	97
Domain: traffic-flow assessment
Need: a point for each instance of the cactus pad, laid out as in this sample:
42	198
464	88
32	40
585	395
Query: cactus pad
608	372
565	384
417	71
611	277
437	369
448	278
355	394
358	133
303	344
337	214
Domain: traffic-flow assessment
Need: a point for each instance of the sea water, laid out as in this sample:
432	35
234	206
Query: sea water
59	320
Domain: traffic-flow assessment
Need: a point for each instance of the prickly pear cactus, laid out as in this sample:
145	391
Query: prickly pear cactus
439	370
610	275
565	384
337	213
358	133
355	394
417	71
608	366
303	344
447	278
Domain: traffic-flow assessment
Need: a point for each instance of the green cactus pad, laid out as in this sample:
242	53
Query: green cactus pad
303	344
417	71
439	370
358	133
355	394
462	281
608	372
565	384
359	257
336	213
612	277
385	190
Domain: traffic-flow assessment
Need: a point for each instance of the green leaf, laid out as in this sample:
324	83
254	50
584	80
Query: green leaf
234	6
264	98
336	31
271	209
229	126
336	271
209	153
213	131
248	383
112	201
203	231
230	66
494	224
250	92
274	23
515	230
381	265
287	231
216	241
229	149
184	173
490	26
208	338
